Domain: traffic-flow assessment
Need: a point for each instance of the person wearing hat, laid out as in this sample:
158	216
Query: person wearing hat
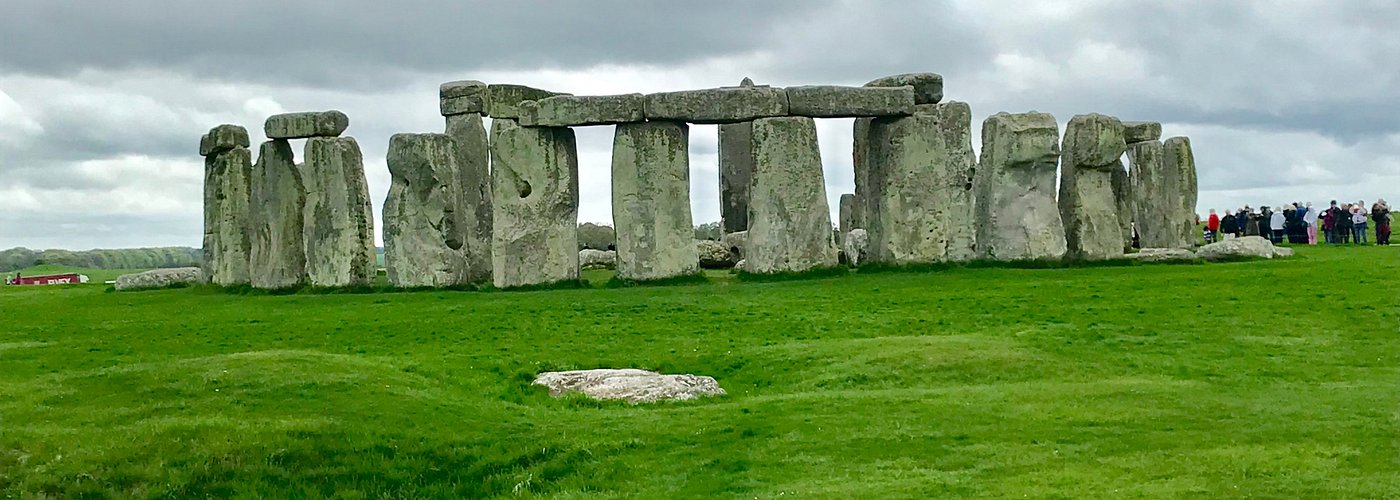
1310	219
1380	212
1358	222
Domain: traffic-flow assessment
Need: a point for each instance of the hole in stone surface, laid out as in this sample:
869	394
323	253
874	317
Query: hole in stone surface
967	186
524	189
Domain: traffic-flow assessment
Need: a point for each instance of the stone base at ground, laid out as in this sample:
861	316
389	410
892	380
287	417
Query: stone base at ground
589	258
854	246
159	278
1248	246
631	385
1162	255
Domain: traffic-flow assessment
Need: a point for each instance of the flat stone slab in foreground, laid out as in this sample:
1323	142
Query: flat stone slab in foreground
160	278
629	384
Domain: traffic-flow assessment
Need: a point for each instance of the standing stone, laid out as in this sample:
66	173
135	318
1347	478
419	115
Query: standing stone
534	188
651	201
928	87
846	217
473	159
917	200
227	173
279	198
735	172
1155	200
1123	201
339	225
1177	157
423	233
1093	148
789	219
1017	217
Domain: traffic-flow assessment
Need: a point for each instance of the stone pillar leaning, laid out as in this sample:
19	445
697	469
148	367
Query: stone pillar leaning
789	220
424	235
462	103
279	199
1017	216
651	201
338	223
1093	148
227	170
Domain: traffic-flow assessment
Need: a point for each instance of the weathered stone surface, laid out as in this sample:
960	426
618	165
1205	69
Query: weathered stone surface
1093	146
223	138
737	242
303	125
832	101
1248	246
631	385
1177	158
339	224
917	198
1134	132
160	278
720	105
1017	217
846	219
227	239
1162	255
1123	202
462	97
1155	202
735	172
503	100
789	219
278	257
651	201
855	246
473	157
424	237
572	111
1283	252
714	255
928	87
589	258
534	189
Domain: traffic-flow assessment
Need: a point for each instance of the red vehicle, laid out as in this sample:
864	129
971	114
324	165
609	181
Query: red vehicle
52	279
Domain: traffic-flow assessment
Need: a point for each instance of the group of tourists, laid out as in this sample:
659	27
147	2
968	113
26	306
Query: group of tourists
1299	223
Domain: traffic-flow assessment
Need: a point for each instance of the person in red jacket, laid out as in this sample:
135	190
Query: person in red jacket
1213	225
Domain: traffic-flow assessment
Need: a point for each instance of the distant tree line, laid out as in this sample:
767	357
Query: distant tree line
123	258
603	237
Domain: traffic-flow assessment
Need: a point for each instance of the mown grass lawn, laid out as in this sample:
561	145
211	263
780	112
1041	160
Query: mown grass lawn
1269	379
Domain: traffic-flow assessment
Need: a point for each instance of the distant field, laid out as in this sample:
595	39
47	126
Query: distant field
95	276
1277	379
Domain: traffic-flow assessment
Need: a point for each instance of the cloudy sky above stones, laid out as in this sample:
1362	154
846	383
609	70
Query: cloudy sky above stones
102	103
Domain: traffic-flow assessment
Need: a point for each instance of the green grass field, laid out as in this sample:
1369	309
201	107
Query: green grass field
1276	379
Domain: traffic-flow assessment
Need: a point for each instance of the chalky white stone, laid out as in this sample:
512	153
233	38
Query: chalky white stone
1016	215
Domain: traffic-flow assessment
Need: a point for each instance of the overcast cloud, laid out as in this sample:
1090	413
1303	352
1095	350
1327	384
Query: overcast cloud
102	103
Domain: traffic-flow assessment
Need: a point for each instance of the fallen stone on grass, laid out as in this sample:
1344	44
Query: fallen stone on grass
713	255
589	258
160	278
629	384
854	246
1246	247
1162	255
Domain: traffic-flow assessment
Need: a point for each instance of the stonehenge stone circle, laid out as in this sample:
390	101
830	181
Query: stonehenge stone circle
279	198
1155	200
305	125
651	201
534	189
735	172
1178	159
504	100
227	197
473	158
789	220
339	225
1134	132
1016	213
928	87
424	232
1092	151
461	97
831	101
917	202
720	105
572	111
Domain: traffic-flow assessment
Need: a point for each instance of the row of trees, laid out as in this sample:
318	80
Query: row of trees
602	237
124	258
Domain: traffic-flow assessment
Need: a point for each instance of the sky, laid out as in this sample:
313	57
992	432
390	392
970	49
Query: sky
102	103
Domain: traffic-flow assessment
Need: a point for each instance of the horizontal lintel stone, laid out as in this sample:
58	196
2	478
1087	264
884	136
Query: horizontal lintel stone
717	105
305	125
1135	132
928	87
831	101
503	100
570	111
